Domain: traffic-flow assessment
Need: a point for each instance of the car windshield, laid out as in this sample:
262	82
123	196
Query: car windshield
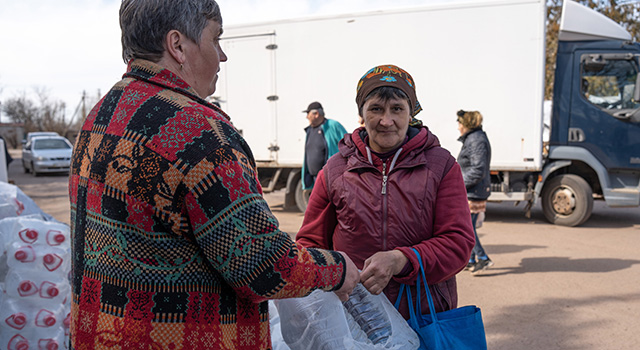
50	144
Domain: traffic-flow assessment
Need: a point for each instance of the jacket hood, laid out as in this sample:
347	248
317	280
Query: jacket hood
420	139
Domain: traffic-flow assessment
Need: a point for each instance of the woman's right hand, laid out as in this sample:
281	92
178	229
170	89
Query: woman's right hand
351	279
380	268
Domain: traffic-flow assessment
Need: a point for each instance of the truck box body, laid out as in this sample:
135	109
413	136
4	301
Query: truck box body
485	55
462	56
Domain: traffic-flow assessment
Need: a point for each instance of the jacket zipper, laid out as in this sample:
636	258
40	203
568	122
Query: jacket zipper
384	206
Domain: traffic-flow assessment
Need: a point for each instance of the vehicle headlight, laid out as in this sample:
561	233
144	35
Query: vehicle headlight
42	159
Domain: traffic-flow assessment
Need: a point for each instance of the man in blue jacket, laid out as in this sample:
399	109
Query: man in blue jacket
321	143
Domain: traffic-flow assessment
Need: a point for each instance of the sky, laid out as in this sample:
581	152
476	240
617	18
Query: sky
64	48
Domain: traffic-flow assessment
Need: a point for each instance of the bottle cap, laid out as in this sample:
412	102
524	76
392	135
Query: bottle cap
25	286
48	259
20	255
48	344
20	319
52	291
32	234
50	320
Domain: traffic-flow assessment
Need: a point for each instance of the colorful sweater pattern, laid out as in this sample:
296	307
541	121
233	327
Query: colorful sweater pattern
173	245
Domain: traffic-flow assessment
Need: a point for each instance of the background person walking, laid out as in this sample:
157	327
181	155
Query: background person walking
474	159
321	143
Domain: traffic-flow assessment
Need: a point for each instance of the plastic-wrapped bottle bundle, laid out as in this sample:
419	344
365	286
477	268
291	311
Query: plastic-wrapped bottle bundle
321	321
368	313
314	322
356	330
34	308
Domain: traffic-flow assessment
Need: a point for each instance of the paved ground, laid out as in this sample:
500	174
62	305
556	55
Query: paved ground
552	287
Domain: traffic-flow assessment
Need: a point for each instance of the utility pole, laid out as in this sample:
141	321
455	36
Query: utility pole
84	105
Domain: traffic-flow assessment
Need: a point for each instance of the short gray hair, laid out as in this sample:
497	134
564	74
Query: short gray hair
145	23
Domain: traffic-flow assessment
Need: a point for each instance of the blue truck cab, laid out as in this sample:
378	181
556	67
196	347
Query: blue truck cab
594	141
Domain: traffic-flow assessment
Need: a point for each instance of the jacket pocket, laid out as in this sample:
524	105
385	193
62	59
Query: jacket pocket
442	297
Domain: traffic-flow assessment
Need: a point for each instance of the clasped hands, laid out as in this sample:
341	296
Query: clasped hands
375	275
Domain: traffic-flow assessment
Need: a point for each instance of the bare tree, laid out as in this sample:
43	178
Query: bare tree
43	114
626	13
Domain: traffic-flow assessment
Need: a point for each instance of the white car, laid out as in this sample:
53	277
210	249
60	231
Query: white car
38	133
46	154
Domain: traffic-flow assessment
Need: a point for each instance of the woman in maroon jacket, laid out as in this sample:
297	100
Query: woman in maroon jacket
392	187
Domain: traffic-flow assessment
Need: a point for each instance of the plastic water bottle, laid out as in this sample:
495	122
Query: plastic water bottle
14	341
20	341
34	231
37	287
38	258
17	315
34	279
12	317
356	331
30	325
314	322
56	238
368	314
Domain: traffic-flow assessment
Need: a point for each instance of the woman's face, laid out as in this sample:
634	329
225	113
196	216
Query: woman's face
462	129
203	61
386	122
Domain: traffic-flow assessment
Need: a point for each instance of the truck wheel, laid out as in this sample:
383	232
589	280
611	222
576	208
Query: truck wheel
302	199
567	200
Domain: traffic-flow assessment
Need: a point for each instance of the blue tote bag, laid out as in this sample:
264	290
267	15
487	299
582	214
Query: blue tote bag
457	329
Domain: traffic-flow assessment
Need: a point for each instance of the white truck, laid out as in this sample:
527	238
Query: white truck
485	55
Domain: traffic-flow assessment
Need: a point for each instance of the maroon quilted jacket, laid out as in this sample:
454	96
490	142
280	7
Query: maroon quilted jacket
424	206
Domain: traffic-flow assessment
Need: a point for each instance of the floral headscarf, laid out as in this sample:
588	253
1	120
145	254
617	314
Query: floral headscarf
393	76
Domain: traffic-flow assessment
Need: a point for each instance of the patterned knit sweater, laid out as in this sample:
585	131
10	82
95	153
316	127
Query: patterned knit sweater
174	246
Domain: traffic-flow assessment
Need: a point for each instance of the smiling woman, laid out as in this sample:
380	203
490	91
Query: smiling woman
390	189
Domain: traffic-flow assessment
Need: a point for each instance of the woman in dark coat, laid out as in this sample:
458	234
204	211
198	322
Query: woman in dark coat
474	159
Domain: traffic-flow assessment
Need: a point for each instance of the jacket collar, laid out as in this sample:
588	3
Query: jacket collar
157	75
420	139
466	134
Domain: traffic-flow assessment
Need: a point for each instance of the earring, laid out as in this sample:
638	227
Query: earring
181	66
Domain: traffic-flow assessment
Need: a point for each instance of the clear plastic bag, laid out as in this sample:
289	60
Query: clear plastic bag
13	202
320	321
277	342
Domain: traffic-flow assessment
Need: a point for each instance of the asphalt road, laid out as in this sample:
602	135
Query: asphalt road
551	287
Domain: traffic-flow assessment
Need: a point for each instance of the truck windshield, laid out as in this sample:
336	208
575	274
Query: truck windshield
610	85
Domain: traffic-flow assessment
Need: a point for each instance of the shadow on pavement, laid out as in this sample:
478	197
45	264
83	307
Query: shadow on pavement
562	264
601	217
553	323
509	248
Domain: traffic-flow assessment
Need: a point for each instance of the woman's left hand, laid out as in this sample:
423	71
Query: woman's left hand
379	268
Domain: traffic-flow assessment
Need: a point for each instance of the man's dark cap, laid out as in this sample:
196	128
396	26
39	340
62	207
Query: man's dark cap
312	106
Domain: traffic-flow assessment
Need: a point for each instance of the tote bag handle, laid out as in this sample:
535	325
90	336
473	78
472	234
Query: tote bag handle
418	309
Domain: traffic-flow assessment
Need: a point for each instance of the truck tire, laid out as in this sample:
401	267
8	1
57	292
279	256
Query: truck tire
302	199
567	200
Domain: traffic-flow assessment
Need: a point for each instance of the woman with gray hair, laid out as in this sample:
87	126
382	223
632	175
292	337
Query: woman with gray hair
174	246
